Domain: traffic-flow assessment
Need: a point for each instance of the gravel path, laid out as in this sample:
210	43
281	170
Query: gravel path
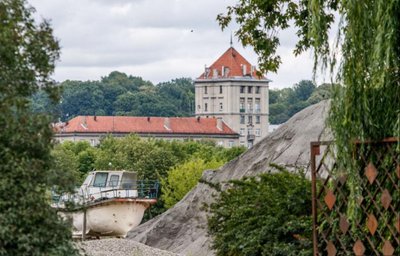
119	247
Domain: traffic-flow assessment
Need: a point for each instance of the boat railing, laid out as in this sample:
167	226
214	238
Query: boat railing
139	189
142	189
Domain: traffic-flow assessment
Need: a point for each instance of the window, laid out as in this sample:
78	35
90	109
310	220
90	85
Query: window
220	143
258	119
250	119
205	107
241	89
220	89
242	143
231	143
114	179
241	106
241	131
221	106
250	131
258	132
205	89
257	105
258	89
242	121
198	107
100	179
249	89
249	105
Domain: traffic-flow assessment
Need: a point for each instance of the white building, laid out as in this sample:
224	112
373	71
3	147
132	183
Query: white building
231	89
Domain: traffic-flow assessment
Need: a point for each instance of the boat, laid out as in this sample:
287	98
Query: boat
108	203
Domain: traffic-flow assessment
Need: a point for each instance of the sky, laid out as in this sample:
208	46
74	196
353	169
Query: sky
158	40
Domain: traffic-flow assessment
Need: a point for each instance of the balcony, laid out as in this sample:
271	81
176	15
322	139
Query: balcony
250	110
251	137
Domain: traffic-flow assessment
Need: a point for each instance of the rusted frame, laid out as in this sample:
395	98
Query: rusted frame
315	150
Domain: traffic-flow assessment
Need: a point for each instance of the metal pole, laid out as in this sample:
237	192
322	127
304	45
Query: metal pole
84	225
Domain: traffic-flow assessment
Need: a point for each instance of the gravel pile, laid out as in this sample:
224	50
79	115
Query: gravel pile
119	247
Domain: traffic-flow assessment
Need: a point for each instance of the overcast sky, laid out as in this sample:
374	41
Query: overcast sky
158	40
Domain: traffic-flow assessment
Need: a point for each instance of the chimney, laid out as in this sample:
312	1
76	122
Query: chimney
220	124
148	119
207	72
95	118
84	122
167	124
198	119
244	69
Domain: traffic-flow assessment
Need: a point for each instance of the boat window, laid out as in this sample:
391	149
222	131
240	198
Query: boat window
129	180
113	181
100	179
87	180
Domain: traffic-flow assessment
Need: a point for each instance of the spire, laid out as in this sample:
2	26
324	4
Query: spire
231	40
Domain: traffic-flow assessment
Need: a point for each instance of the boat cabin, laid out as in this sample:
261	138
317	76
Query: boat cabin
110	184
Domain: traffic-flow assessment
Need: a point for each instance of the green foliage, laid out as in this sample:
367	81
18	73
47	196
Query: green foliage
119	94
151	159
265	215
28	51
182	178
286	102
366	105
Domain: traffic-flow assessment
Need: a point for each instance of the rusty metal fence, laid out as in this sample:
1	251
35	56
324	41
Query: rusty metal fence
374	226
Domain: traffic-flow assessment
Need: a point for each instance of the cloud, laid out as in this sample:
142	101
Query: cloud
157	39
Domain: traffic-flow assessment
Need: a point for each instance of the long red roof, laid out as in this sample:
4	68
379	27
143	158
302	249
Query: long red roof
146	125
233	60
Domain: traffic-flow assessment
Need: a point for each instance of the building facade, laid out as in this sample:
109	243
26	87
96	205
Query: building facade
93	128
231	89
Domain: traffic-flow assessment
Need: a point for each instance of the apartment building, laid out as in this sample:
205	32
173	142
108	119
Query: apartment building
231	89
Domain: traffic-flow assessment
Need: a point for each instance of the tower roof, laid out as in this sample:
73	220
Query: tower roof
231	64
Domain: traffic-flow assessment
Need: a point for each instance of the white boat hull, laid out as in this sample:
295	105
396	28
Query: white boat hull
113	217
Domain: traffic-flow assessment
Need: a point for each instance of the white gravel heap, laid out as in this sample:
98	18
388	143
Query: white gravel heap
119	247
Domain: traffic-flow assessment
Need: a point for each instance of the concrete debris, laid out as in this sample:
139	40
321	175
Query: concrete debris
119	247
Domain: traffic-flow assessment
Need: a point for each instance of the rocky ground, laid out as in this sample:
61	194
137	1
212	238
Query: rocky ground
119	247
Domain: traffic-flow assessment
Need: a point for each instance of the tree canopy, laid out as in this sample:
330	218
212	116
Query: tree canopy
28	51
264	215
286	102
178	164
120	94
365	56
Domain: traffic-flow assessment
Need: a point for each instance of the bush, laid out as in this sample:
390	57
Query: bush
183	178
265	215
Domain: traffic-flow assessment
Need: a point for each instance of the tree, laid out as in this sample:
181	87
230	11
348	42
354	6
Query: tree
265	215
365	107
28	51
182	178
304	89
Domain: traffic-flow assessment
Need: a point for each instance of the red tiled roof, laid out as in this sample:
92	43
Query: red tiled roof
146	125
235	62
